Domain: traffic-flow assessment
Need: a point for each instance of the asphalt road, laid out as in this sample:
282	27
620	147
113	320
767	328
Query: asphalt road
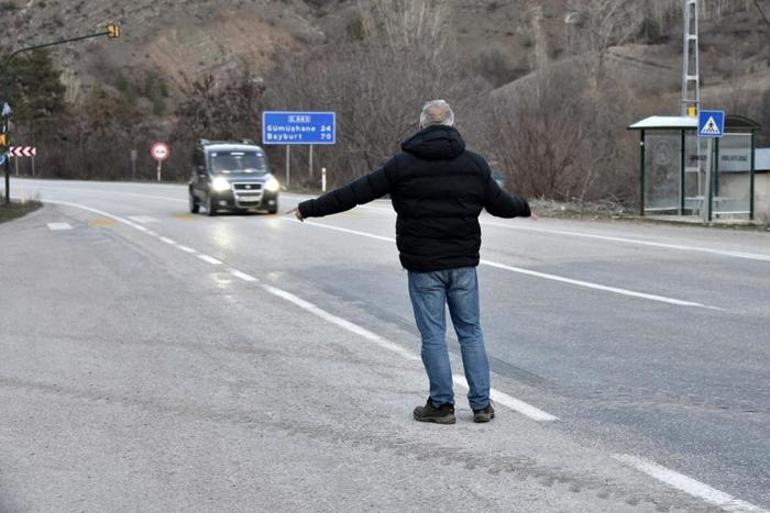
157	361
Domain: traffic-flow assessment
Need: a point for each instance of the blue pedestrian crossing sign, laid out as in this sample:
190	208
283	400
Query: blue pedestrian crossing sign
711	123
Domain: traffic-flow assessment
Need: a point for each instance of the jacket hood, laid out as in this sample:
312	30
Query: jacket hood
435	143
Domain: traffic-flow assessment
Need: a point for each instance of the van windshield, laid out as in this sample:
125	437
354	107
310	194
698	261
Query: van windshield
237	163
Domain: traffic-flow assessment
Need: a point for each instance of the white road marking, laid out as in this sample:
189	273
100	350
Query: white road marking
545	276
689	485
624	240
210	259
502	398
186	249
144	219
242	275
152	233
55	227
596	286
168	241
639	242
511	402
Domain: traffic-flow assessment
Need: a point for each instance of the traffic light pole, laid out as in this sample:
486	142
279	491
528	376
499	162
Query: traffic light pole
112	32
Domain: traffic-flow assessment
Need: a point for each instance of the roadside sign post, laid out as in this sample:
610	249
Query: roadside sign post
711	125
290	128
323	179
133	155
288	165
160	152
19	152
6	113
310	163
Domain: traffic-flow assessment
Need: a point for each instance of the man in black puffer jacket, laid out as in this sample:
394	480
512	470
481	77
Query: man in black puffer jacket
438	189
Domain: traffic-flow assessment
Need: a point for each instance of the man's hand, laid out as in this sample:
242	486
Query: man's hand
296	213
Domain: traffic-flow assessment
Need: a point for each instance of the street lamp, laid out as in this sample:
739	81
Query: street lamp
113	32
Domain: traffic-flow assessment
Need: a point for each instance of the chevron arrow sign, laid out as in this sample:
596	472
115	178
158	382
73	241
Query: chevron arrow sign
22	151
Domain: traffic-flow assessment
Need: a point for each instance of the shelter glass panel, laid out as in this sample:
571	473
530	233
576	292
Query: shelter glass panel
732	184
662	170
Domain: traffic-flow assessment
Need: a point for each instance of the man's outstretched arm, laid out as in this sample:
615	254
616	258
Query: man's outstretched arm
502	204
358	192
499	203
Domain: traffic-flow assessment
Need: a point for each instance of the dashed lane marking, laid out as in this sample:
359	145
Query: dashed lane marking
211	260
168	241
186	249
144	219
56	227
242	275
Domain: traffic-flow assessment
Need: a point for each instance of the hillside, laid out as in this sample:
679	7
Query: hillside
545	89
180	40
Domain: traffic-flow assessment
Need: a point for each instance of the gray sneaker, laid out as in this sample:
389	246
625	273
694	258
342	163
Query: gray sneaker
485	414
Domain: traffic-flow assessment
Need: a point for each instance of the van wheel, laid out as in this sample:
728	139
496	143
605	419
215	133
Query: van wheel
194	205
211	210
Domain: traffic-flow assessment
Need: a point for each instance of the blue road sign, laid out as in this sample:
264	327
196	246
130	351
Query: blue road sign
299	128
711	123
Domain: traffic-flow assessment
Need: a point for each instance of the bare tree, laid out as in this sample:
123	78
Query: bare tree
377	83
604	24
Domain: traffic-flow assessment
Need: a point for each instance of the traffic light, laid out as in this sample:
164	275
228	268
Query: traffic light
3	140
113	31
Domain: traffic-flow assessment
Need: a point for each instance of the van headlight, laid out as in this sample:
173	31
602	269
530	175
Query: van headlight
220	184
272	185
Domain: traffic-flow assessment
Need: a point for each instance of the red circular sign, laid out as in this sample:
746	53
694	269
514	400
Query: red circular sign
160	151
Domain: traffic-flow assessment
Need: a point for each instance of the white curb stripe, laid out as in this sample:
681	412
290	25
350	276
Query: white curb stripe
545	276
689	485
500	397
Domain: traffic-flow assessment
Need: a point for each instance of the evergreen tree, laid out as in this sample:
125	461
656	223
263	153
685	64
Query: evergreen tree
33	87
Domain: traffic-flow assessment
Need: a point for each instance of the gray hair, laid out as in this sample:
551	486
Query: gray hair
436	112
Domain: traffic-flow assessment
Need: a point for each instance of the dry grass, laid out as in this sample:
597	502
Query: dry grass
17	209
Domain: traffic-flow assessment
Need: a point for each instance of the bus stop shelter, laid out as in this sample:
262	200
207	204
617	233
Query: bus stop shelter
673	161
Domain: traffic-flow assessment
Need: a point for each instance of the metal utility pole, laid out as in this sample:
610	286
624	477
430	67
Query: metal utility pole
691	60
691	98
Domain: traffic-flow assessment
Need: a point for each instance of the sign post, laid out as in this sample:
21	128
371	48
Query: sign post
288	165
290	128
134	154
711	125
6	113
160	152
18	152
310	163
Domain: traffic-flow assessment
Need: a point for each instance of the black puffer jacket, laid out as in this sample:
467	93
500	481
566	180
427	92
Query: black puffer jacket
438	189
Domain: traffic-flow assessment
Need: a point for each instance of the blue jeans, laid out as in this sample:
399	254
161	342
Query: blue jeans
430	293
